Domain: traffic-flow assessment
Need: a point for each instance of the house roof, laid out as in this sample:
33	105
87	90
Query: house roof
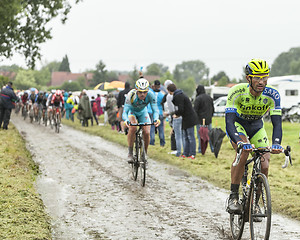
10	75
58	78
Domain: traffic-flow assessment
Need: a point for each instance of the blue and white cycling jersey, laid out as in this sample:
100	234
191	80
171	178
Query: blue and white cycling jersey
137	107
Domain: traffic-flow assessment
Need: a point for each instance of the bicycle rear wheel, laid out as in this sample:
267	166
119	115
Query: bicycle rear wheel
135	164
142	161
260	209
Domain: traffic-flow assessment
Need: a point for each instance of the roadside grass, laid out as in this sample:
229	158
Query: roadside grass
22	212
284	183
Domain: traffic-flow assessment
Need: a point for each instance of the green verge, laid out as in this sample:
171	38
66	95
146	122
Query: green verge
284	183
22	212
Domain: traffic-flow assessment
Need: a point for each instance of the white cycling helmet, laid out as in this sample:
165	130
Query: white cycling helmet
142	85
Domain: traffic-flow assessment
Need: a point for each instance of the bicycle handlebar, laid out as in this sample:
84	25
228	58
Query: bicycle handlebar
286	151
141	124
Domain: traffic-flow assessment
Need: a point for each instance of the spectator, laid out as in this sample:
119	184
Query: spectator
99	108
7	103
69	104
94	110
112	109
84	108
189	119
175	124
204	107
159	97
120	103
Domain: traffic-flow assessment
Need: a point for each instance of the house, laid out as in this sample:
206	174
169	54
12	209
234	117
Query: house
58	78
10	75
288	88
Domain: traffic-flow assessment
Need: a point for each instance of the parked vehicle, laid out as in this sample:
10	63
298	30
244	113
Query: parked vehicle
220	105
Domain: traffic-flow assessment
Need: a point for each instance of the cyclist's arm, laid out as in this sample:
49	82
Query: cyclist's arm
230	127
277	129
125	112
153	103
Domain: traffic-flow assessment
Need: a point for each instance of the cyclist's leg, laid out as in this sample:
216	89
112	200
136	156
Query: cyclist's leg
260	139
143	117
131	134
236	174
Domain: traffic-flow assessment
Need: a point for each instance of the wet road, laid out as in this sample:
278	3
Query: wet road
87	188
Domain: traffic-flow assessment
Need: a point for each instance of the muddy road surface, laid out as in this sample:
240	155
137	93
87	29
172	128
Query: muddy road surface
86	185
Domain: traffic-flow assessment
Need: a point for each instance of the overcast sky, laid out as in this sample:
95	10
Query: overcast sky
224	34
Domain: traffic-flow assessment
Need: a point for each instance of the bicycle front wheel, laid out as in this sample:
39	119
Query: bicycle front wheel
135	164
143	162
237	222
260	209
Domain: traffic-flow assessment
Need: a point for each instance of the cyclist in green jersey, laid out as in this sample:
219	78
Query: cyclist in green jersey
246	105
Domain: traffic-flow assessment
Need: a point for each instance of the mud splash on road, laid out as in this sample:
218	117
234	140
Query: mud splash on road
86	185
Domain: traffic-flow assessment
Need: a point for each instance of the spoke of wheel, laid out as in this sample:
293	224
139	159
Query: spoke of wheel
260	209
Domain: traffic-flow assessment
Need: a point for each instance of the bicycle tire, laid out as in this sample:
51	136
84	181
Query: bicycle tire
135	164
260	222
237	223
57	123
142	161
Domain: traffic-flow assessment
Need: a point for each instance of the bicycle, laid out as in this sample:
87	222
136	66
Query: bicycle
139	160
57	119
256	198
24	111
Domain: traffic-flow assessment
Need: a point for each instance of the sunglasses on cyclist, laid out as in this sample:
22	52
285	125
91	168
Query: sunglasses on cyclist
264	78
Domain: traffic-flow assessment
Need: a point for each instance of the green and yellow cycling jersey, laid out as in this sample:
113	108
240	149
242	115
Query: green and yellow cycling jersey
248	107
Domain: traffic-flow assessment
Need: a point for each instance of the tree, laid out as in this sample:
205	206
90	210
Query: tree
52	66
42	77
287	63
188	86
64	66
100	74
23	25
156	69
195	69
71	86
134	76
12	68
166	76
221	78
3	81
25	80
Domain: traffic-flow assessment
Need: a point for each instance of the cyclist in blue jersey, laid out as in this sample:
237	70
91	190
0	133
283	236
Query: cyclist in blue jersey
246	105
135	111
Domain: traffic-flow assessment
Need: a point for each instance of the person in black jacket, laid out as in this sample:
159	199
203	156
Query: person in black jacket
120	104
189	119
204	107
7	103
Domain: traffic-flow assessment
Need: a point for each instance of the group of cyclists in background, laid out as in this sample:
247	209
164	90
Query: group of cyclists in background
42	106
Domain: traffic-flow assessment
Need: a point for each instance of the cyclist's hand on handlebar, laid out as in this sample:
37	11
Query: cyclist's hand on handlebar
245	146
277	148
156	122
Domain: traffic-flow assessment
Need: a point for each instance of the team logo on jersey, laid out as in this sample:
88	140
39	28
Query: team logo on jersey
265	100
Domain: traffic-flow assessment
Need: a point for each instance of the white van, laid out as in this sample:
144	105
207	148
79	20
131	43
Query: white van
220	105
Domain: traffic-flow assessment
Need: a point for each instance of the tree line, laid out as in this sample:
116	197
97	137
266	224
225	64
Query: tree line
186	75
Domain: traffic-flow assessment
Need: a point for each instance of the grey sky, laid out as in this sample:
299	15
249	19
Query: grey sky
224	34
